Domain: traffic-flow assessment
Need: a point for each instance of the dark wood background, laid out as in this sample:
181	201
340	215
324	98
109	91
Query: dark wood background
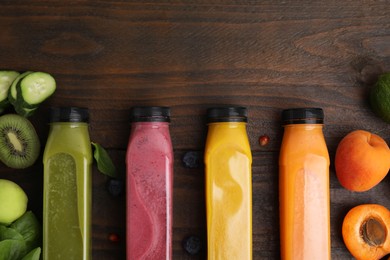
190	55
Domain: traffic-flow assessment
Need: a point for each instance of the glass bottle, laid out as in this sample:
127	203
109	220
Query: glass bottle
228	161
67	163
149	163
304	186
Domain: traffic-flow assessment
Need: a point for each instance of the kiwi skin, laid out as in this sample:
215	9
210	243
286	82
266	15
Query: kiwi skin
19	142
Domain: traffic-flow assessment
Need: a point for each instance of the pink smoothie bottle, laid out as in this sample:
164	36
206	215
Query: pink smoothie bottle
149	163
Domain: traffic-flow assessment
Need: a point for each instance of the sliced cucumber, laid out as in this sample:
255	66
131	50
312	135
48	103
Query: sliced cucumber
6	79
12	94
35	88
26	112
25	91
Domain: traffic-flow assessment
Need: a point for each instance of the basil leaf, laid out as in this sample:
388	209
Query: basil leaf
29	227
33	255
103	160
9	233
11	249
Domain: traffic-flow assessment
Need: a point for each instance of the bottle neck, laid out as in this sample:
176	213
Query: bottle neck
227	124
302	139
140	126
68	125
301	131
150	124
227	128
308	127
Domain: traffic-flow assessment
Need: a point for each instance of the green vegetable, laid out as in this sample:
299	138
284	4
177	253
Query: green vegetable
33	255
9	233
103	160
21	239
12	94
380	97
25	112
28	90
6	79
11	249
35	88
29	227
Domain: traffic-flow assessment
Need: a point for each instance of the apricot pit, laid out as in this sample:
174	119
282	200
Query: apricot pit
366	230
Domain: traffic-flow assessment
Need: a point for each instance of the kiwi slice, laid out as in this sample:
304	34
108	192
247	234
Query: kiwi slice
19	142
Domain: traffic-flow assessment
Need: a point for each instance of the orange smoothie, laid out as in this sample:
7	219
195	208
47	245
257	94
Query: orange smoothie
304	187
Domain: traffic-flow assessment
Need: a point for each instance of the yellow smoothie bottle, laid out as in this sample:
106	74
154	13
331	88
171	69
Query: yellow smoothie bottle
228	161
67	188
304	186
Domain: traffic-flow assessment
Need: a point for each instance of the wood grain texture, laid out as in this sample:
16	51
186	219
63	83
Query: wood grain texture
190	55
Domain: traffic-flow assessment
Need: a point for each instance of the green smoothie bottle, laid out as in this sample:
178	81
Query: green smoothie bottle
67	201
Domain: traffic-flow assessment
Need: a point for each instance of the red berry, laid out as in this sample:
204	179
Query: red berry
263	140
113	237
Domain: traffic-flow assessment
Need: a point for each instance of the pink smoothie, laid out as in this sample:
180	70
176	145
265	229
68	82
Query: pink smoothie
149	191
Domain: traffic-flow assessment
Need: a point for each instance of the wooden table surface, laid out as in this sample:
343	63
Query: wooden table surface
190	55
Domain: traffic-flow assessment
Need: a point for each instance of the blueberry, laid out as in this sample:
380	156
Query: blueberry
192	159
192	244
115	187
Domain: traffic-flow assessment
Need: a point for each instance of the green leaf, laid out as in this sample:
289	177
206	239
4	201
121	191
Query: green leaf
11	249
9	233
103	160
30	229
21	237
33	255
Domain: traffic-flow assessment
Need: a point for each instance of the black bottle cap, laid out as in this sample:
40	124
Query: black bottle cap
69	114
227	114
302	116
150	114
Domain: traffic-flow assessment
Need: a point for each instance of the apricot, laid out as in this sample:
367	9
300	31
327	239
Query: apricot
362	160
366	231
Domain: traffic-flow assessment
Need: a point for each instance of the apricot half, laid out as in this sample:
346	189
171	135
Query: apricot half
366	231
362	160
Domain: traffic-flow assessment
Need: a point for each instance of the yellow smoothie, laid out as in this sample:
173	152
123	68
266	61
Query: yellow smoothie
228	162
67	190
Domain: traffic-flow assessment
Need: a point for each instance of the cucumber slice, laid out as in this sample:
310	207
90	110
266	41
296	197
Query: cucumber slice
12	94
6	79
24	111
36	87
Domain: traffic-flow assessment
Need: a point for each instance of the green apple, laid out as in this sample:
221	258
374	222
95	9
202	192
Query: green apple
13	201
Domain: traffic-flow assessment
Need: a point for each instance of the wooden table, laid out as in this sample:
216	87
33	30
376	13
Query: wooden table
268	56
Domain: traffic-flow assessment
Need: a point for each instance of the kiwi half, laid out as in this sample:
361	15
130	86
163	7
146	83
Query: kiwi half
19	142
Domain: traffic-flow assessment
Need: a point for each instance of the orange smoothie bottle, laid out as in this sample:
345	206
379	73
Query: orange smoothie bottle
304	186
228	161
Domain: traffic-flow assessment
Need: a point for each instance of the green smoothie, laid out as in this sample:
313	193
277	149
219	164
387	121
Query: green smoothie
67	188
